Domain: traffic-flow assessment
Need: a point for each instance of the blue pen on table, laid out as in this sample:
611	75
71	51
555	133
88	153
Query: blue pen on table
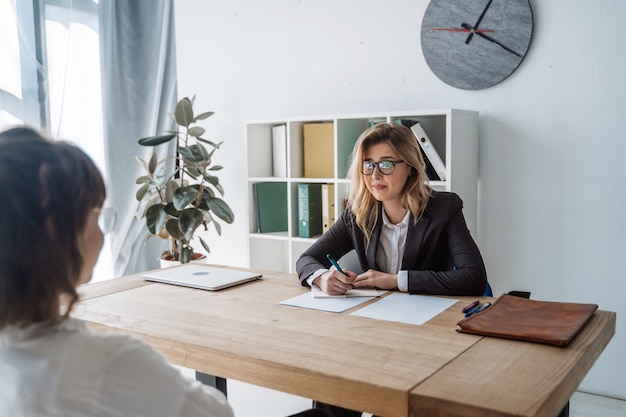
336	265
482	307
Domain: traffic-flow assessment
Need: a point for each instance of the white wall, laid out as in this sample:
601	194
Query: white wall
552	215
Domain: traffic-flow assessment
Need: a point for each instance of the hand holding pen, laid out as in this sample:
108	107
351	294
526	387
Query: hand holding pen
336	282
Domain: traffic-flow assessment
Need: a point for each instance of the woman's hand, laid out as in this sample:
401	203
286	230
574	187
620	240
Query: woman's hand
334	282
377	279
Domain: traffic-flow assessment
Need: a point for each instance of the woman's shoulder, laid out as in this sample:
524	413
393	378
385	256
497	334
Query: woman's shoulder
442	200
108	347
445	197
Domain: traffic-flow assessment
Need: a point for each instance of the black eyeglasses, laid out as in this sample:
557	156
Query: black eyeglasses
384	167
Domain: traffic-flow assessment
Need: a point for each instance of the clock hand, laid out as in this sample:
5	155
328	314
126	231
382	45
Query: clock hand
480	18
460	30
489	38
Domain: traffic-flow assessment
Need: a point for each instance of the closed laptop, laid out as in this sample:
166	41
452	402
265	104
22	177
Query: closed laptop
202	277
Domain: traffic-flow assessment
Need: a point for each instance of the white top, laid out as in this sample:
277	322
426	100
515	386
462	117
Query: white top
389	252
67	371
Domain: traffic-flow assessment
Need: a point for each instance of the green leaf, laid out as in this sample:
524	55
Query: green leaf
211	179
216	168
196	131
183	196
170	189
143	163
141	192
218	228
204	115
156	140
221	210
194	171
173	229
143	179
204	245
153	163
155	218
213	144
171	211
194	153
208	193
184	112
190	220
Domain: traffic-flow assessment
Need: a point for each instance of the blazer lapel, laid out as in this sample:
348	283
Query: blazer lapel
414	238
370	253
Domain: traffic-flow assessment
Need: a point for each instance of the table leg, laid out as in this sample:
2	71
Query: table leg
565	411
212	381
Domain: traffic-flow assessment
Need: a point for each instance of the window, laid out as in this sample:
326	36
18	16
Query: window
50	65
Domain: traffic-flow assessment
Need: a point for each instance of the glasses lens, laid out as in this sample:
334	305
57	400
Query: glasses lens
368	167
386	167
107	218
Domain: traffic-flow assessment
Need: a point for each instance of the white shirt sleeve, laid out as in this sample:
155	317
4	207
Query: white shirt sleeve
403	281
314	275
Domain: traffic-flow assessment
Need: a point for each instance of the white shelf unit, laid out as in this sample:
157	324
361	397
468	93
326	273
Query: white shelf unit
453	132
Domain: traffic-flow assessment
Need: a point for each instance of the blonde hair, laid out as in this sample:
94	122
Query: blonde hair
365	207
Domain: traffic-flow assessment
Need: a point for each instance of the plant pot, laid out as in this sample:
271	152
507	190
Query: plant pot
167	261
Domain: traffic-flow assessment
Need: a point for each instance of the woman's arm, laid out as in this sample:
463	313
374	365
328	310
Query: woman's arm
337	241
454	265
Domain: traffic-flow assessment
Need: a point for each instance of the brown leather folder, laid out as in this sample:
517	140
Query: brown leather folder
550	322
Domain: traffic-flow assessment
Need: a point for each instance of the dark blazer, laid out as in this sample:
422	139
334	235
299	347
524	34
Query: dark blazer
440	255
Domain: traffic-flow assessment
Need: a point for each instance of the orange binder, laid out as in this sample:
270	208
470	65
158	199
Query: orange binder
319	150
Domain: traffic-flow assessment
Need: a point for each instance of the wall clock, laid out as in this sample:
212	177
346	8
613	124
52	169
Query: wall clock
475	44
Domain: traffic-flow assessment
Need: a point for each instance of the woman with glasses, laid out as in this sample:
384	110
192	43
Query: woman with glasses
407	237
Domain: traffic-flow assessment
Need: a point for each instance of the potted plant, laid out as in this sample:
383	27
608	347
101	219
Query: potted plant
175	204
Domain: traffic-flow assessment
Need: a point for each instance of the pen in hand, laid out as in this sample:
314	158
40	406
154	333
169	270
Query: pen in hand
336	265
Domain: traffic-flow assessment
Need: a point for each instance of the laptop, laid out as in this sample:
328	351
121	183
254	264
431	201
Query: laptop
202	277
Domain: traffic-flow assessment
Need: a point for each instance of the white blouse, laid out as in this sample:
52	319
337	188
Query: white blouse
65	370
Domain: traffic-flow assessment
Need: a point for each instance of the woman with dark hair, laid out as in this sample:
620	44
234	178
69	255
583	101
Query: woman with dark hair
407	237
51	197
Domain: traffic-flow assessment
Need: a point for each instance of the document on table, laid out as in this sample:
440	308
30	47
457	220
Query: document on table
335	304
406	308
317	292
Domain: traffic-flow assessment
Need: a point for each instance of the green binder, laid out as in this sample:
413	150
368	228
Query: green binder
309	210
270	199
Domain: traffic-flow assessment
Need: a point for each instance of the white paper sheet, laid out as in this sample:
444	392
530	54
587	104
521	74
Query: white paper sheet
334	304
405	308
317	292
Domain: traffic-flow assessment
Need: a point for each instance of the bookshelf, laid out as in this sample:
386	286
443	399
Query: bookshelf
453	132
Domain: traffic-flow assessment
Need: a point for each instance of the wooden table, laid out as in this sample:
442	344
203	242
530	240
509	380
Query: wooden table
385	368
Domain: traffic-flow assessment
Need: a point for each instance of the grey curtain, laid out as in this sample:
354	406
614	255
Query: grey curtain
139	89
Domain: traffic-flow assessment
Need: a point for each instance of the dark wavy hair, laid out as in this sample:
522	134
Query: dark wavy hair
47	191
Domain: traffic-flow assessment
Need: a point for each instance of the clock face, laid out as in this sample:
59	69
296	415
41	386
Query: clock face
475	44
